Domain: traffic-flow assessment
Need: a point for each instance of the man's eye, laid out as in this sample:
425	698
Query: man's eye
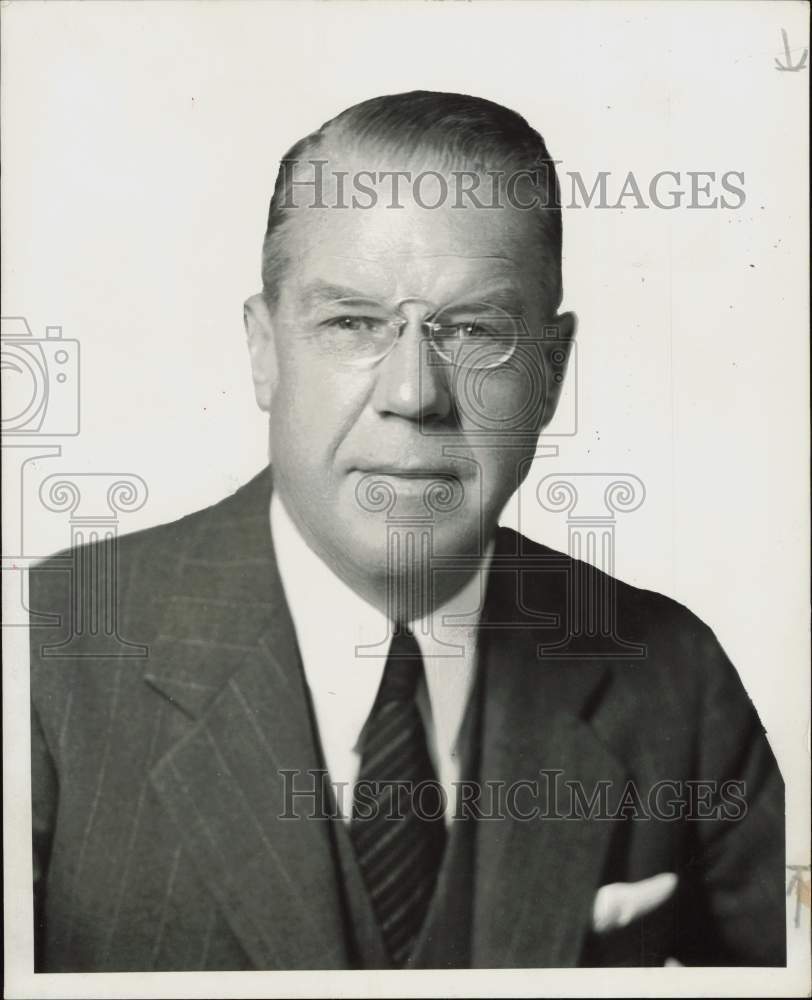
471	330
477	329
355	324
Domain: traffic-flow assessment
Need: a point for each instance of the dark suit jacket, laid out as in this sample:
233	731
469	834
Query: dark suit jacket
157	796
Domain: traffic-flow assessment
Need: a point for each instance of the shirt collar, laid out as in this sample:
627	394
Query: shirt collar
344	641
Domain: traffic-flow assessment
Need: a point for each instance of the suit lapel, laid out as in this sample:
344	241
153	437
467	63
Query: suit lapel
536	879
227	659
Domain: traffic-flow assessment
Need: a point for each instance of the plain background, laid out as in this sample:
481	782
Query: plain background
140	146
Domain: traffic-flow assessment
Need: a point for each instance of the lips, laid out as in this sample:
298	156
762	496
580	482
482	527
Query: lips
409	471
436	490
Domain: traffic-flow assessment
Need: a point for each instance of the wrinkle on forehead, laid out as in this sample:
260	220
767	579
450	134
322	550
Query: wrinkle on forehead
422	256
312	259
411	226
403	276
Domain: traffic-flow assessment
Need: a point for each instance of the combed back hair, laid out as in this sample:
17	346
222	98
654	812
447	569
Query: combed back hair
449	131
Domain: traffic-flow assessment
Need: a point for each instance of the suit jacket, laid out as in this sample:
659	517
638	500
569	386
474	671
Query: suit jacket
158	737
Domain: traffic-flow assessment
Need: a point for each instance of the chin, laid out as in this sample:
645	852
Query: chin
382	546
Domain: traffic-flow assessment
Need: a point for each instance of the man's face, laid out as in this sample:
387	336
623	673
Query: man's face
356	446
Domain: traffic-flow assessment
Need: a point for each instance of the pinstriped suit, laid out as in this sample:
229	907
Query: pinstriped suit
157	842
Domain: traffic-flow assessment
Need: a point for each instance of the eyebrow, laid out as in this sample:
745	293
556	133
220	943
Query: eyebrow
320	292
504	297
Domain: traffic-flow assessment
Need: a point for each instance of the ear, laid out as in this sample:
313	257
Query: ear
259	328
557	345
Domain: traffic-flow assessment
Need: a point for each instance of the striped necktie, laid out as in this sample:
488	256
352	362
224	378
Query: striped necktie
397	827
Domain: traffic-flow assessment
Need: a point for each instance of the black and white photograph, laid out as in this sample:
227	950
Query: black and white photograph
405	443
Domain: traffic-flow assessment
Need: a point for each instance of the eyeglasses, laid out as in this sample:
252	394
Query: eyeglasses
476	336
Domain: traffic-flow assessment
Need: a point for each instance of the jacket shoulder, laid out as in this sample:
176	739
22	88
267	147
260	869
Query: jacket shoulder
174	534
637	605
666	641
668	674
96	609
153	550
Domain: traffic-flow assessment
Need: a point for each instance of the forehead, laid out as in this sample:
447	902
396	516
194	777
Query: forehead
319	277
409	250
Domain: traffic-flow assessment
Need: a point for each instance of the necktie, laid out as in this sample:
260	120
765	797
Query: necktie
397	827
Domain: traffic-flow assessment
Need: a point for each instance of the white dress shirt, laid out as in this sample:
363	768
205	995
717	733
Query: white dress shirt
344	642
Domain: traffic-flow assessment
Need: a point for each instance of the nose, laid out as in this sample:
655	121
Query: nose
412	380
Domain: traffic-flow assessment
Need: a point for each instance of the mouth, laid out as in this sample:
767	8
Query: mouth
409	472
435	489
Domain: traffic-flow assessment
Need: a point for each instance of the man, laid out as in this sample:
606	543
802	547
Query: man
369	730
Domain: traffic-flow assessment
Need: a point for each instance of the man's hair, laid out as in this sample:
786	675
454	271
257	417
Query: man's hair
450	129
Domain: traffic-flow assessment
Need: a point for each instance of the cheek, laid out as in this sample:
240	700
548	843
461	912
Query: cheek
312	410
501	471
503	408
508	400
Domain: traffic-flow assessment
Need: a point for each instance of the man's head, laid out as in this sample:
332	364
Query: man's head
411	281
